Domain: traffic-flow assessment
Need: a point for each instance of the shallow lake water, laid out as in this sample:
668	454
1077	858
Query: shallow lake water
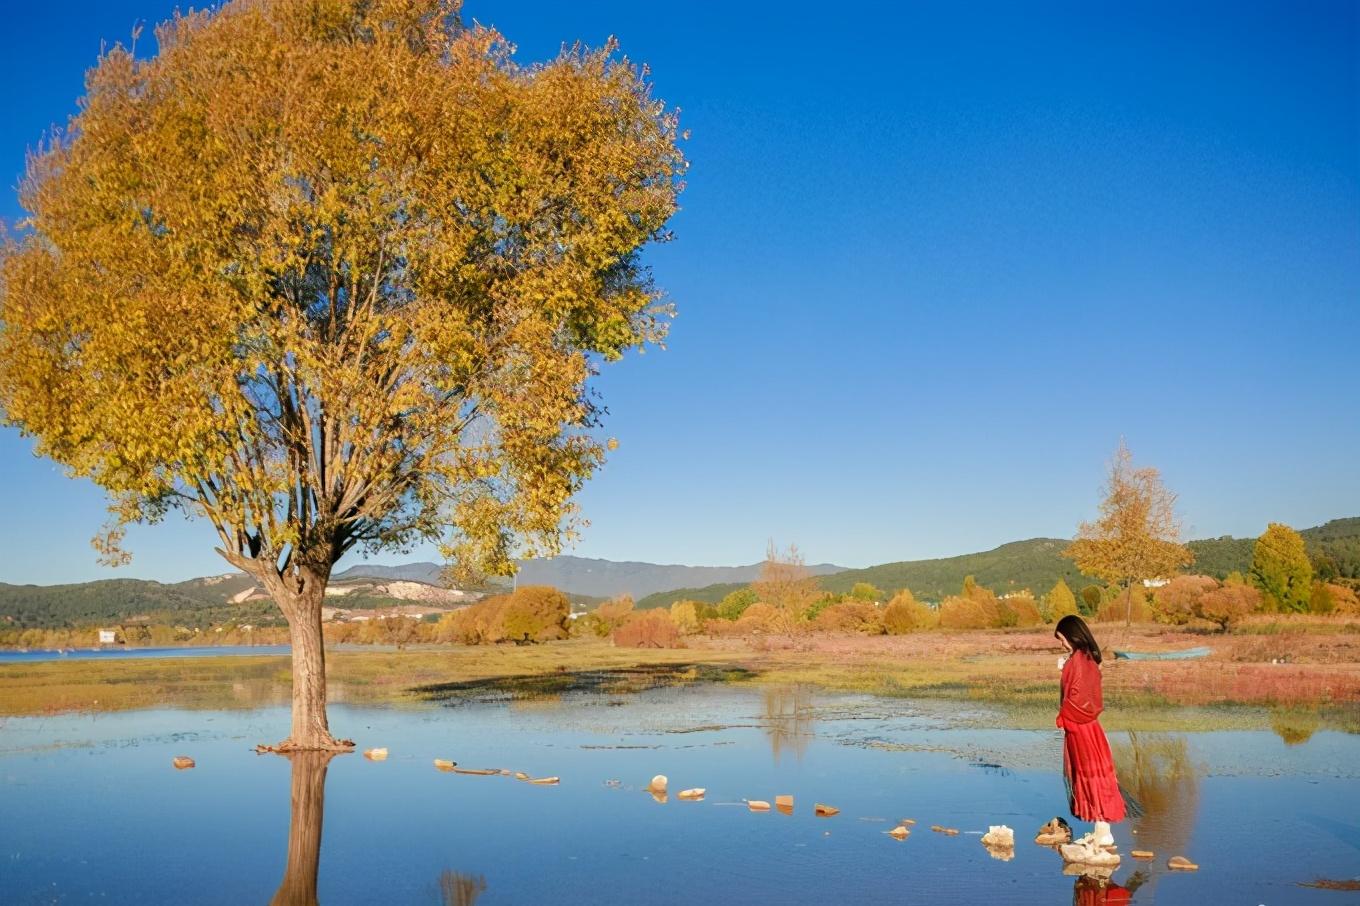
13	656
92	810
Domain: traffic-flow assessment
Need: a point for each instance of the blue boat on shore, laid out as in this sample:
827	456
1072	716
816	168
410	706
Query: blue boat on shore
1186	654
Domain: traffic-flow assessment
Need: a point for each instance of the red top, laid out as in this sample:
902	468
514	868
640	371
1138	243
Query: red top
1081	701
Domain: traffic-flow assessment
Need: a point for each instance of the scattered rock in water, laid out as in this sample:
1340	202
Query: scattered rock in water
1054	833
908	822
376	754
784	804
999	836
1099	873
825	811
613	783
545	781
520	775
444	765
479	772
659	795
658	784
1086	852
758	805
1180	863
901	832
182	762
1143	854
695	793
947	831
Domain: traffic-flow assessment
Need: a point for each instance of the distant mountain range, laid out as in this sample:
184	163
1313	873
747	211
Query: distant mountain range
1035	564
593	578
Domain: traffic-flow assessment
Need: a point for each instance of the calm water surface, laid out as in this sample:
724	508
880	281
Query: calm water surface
93	812
120	653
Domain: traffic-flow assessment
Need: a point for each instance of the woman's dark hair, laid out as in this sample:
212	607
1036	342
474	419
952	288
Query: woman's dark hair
1074	629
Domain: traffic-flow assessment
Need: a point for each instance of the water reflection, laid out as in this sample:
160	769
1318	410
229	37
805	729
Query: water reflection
298	887
1294	726
788	719
1156	768
458	889
1096	888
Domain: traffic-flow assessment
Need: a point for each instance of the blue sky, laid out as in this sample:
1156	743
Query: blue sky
934	260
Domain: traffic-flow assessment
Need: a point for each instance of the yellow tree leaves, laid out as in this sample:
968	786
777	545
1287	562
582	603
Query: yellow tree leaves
1138	533
338	273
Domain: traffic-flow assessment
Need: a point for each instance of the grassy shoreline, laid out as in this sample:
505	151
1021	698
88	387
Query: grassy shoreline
1249	682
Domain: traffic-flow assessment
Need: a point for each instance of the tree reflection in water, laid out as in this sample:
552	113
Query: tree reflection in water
458	889
788	719
1156	768
298	887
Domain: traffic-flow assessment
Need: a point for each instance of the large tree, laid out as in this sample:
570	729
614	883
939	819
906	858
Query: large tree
1138	535
336	274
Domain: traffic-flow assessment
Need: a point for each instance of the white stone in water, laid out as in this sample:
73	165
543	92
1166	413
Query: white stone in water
658	784
998	835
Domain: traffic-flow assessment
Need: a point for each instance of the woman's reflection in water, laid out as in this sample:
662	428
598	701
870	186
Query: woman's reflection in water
298	887
1095	887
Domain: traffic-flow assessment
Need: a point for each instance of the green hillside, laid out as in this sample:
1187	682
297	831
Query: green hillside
1037	564
710	594
122	600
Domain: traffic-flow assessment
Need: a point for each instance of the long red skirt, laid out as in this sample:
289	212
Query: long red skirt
1092	788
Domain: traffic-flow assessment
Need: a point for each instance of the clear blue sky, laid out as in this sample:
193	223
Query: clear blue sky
933	261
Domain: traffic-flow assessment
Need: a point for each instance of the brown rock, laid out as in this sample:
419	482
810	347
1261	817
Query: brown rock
520	775
182	762
545	781
1143	854
444	765
1054	833
695	793
1180	863
825	811
900	832
480	772
758	805
376	754
658	784
908	822
784	803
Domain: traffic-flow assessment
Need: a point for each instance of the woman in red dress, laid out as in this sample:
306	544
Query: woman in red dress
1092	789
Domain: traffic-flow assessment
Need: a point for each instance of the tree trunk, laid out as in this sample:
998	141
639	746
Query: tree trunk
1128	604
298	887
310	728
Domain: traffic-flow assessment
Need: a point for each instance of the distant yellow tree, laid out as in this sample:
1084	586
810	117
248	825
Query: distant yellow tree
786	584
685	615
1060	602
905	614
335	275
1138	535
